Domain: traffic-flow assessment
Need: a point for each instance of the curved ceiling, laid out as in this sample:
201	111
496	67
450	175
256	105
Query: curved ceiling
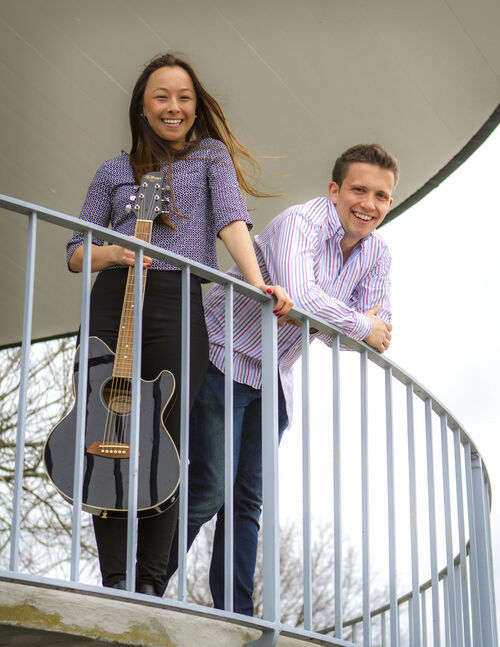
300	81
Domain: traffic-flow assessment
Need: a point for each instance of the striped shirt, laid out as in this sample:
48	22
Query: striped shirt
300	250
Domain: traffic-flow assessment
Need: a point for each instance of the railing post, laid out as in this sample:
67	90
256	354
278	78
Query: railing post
81	410
270	506
306	481
463	587
135	421
228	451
23	389
337	487
484	565
184	441
365	501
394	614
450	601
415	607
432	523
473	559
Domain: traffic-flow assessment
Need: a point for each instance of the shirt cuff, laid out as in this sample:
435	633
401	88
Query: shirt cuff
362	327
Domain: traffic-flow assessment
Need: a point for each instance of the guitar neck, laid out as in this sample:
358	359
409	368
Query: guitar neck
125	345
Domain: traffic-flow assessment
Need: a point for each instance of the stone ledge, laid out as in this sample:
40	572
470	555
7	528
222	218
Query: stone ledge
35	614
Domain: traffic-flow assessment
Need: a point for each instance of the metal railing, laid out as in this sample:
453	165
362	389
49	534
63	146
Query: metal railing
455	606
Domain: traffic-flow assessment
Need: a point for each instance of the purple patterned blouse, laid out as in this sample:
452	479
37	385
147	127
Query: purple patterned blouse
204	187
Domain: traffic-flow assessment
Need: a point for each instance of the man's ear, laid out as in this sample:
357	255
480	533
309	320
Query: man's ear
333	192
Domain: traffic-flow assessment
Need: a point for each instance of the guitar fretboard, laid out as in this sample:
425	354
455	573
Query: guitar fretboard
125	345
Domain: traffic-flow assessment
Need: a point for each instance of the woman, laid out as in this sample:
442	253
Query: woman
180	130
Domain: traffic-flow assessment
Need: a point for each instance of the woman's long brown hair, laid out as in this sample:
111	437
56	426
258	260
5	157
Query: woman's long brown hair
149	150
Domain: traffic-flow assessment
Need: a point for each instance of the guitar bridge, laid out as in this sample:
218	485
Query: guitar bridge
109	450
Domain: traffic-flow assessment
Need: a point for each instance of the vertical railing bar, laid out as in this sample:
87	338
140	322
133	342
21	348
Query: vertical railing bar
337	488
473	556
490	560
365	500
81	409
447	614
23	392
432	523
270	520
412	475
458	597
450	599
135	421
461	541
424	620
383	632
391	510
228	451
485	568
306	480
184	440
410	622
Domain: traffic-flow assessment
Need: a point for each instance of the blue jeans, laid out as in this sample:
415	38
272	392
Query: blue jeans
206	481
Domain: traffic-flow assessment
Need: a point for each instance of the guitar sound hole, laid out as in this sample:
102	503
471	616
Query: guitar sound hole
117	395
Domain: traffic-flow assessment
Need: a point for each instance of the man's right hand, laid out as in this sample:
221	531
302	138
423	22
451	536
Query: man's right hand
380	334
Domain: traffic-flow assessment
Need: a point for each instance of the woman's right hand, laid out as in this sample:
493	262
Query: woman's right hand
284	301
104	256
124	256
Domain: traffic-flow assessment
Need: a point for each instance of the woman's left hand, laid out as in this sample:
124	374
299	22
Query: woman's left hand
284	301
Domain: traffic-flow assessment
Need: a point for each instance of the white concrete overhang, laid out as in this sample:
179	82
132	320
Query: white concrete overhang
299	80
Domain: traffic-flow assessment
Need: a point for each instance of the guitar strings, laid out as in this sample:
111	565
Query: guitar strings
118	423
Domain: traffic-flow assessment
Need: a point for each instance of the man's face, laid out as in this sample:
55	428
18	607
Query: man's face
363	199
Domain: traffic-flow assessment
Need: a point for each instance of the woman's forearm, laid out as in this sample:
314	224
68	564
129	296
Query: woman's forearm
239	244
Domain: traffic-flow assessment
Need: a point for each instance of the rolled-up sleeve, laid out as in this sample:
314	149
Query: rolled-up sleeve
375	288
96	209
228	204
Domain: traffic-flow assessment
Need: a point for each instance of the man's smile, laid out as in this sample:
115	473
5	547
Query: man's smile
362	216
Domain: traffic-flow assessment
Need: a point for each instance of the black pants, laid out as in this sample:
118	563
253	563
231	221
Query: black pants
161	349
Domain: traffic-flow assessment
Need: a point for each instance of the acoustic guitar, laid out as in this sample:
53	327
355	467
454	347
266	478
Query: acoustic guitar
109	408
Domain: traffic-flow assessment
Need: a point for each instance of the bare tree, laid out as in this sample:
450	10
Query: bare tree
45	537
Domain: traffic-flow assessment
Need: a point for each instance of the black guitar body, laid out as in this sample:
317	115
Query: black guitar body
107	439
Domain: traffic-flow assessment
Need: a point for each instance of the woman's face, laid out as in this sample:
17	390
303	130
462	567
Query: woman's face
170	104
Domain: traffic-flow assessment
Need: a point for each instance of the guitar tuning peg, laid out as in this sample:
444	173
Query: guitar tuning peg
128	208
157	210
157	197
166	188
132	198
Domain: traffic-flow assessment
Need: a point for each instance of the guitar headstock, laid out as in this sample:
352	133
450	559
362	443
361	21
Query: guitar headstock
147	202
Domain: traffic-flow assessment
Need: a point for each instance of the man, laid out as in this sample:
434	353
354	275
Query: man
326	254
